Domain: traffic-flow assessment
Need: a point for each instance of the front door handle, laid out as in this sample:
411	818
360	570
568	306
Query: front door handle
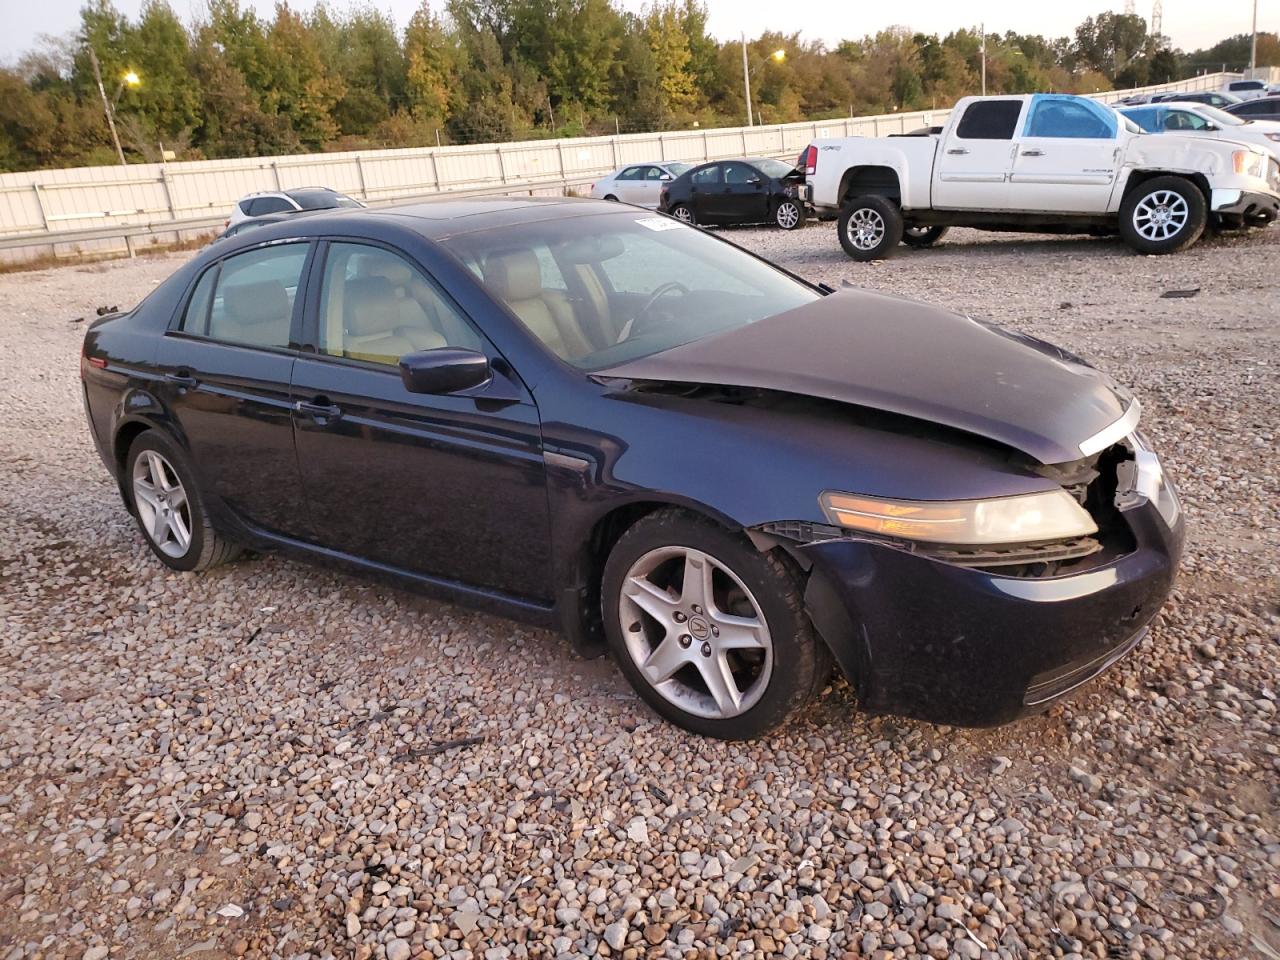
320	410
1033	153
181	378
957	151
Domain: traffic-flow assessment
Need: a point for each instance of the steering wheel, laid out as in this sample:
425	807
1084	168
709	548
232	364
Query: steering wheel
671	286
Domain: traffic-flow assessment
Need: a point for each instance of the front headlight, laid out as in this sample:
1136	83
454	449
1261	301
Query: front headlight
1052	515
1249	164
1272	136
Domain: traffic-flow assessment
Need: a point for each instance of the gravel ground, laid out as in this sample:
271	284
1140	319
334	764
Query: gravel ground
273	760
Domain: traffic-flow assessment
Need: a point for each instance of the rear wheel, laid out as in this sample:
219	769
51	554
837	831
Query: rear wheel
711	632
870	227
610	196
169	508
789	215
685	213
1163	215
921	236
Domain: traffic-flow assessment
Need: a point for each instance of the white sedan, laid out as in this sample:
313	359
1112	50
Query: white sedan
1200	118
638	183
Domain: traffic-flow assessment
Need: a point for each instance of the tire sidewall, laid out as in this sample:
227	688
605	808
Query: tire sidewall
931	236
796	659
891	215
777	214
1197	216
201	540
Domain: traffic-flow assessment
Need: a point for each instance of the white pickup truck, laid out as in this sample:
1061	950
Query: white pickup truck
1044	163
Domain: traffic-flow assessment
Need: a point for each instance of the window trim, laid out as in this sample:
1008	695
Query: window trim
309	342
295	321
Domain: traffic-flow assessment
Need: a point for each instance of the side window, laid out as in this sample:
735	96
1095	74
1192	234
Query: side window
377	306
707	175
1182	120
631	173
196	318
989	120
653	173
253	297
1148	120
272	205
1068	120
739	173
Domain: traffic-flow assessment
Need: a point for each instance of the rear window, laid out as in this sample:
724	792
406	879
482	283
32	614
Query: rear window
1246	85
990	120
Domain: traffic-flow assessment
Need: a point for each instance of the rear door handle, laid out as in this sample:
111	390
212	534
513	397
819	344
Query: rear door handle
181	378
1033	153
957	151
319	410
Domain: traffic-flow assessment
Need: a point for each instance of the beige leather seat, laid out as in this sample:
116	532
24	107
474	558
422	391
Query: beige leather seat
382	326
515	278
254	313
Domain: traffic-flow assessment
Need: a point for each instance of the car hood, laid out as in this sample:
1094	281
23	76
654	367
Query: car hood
911	359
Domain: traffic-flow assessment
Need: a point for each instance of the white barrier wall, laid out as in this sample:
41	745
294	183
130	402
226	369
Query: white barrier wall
46	210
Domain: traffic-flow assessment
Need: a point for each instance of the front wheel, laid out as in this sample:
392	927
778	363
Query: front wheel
789	215
923	236
169	508
684	213
711	632
870	227
1163	215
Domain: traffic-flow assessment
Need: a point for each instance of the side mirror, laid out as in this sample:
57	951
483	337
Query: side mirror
1211	127
753	180
444	370
665	176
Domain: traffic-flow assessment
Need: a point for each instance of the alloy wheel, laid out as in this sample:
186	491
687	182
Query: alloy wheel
1160	215
866	229
696	632
788	215
683	213
162	505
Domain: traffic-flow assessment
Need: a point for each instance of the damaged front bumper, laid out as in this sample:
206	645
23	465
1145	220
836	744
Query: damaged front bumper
1249	204
930	639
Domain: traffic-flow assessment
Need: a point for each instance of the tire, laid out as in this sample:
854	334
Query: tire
773	667
789	215
923	236
156	464
1163	215
611	197
877	227
684	212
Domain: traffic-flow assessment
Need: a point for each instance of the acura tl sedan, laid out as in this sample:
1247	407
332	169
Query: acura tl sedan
599	419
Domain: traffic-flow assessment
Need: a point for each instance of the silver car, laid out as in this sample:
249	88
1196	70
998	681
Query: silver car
638	183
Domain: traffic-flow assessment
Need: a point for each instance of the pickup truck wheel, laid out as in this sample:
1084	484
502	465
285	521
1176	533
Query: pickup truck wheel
1163	215
923	236
870	227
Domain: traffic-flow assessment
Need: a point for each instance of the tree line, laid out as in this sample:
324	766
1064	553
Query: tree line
466	71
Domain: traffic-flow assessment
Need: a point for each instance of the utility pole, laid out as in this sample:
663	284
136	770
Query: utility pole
1253	44
746	78
983	28
106	104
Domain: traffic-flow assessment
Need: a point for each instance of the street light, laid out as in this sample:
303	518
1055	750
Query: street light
777	57
129	79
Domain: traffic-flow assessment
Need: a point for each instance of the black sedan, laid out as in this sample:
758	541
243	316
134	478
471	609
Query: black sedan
751	190
1260	108
595	418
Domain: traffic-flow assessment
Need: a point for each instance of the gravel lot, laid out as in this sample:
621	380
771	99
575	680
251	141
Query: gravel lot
276	760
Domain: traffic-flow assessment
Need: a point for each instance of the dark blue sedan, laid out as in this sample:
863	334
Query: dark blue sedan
595	418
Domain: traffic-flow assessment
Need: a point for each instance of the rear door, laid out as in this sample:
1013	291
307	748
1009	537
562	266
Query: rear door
227	363
1067	158
706	188
451	487
972	169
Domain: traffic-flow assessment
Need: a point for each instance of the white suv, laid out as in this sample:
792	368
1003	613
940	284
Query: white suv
288	201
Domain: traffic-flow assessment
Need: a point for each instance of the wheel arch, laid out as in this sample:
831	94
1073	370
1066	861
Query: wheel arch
878	179
1138	177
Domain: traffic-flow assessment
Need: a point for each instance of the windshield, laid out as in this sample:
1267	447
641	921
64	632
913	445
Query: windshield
1221	117
675	169
598	291
775	169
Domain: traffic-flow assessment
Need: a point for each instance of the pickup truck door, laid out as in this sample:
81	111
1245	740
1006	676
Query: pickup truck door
1067	157
971	170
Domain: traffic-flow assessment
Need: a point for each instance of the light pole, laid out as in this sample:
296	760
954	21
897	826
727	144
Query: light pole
983	28
130	79
1253	44
777	57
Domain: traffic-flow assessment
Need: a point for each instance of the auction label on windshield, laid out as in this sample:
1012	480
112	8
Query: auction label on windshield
660	223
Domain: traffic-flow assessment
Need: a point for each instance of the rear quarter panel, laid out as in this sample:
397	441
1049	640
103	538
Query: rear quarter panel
911	158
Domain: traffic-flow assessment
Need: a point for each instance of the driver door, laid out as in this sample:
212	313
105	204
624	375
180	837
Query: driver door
450	487
1067	158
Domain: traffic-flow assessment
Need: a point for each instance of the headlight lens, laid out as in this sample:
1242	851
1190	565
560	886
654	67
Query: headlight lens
1273	136
1052	515
1248	163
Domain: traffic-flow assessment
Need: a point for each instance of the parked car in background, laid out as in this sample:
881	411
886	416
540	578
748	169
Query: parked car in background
1198	119
1046	163
583	415
289	201
255	223
638	183
1249	89
1262	108
1214	98
746	190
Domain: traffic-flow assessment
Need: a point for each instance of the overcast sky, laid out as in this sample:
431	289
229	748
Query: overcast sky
1191	23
